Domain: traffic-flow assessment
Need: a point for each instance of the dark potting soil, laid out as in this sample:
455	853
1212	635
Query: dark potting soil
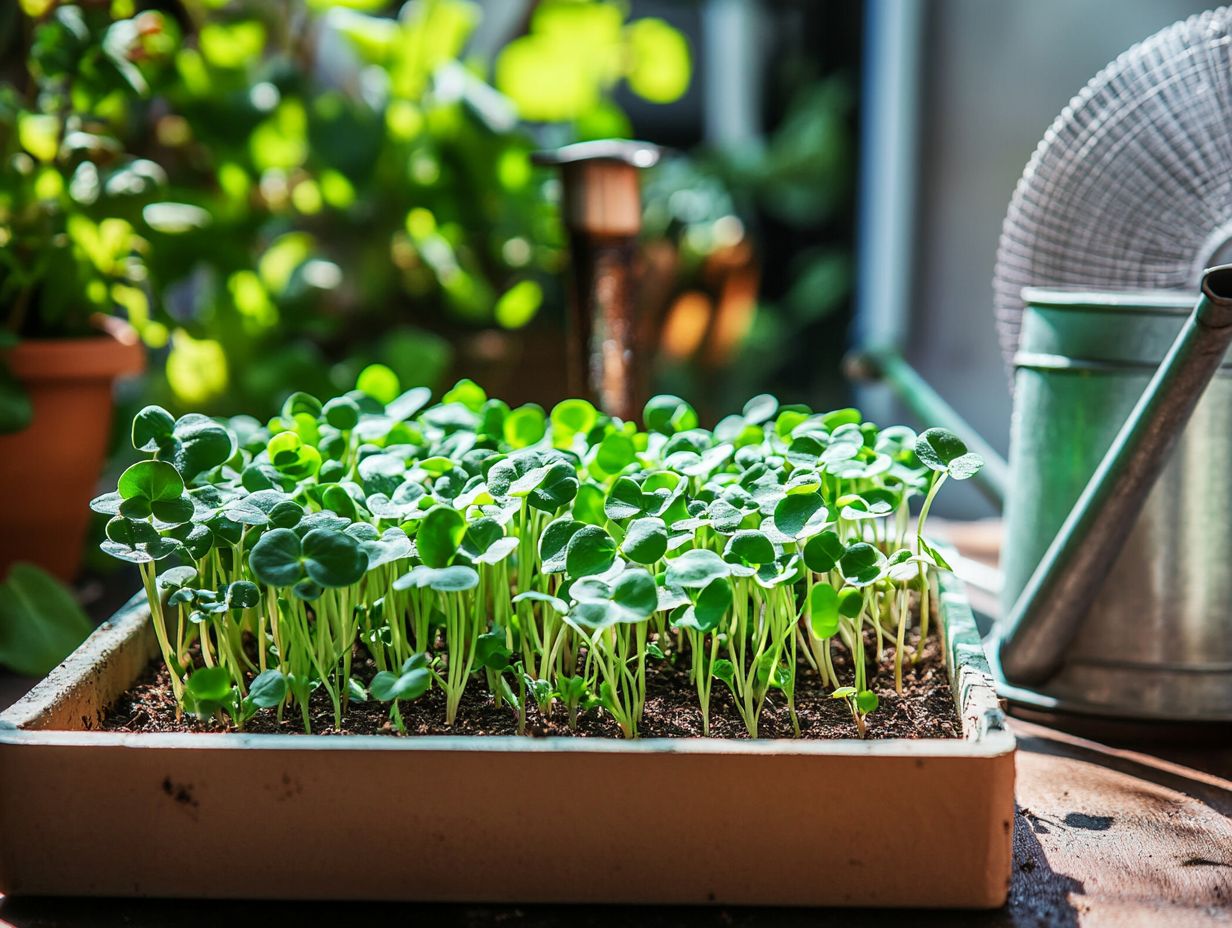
924	710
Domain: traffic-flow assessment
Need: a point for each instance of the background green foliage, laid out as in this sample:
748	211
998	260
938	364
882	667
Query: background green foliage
276	192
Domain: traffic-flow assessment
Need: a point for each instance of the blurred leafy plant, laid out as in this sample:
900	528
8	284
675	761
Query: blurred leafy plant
75	204
323	185
40	622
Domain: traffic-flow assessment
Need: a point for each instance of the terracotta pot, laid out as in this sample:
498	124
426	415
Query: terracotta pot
898	822
49	471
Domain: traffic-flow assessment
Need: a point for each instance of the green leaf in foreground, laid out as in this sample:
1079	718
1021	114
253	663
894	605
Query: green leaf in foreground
326	557
40	621
823	610
410	682
695	569
590	551
645	540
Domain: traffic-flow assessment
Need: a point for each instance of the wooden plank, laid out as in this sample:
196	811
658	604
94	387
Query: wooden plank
1115	837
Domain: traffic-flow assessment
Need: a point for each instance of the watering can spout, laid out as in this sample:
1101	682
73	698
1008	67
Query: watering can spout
1041	625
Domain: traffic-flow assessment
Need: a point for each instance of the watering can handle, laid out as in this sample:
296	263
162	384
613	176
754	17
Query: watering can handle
1046	617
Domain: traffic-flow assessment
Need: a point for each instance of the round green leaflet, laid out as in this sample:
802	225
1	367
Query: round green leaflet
198	444
589	503
342	413
325	519
822	552
524	426
492	417
833	420
557	488
554	543
634	591
195	539
867	701
803	481
152	428
750	548
801	514
411	682
326	557
695	569
336	499
386	548
645	540
378	382
453	579
301	404
491	651
625	500
711	605
850	601
268	689
569	417
210	685
787	420
615	452
760	409
290	456
517	474
137	541
804	451
408	403
275	558
862	564
151	481
382	473
823	610
668	414
724	517
591	550
242	594
468	393
176	577
480	536
440	533
942	450
632	598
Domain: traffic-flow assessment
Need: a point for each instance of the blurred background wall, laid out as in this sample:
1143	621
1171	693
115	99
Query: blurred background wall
990	79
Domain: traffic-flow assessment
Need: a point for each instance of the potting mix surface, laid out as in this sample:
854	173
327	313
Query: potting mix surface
924	710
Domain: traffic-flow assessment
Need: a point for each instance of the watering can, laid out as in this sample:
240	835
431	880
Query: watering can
1117	557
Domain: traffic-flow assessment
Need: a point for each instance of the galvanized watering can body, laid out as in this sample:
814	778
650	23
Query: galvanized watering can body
1156	642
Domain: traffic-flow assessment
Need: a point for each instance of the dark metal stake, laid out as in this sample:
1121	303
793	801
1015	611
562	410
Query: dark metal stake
603	216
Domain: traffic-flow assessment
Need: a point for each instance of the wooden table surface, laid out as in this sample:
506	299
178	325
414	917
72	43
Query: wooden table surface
1104	836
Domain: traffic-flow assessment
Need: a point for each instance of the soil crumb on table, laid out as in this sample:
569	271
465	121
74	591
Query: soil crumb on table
925	710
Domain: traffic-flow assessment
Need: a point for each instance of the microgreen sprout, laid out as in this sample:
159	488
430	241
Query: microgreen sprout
549	558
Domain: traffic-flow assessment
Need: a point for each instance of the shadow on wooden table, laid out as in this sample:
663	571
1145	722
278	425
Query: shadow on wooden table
1038	896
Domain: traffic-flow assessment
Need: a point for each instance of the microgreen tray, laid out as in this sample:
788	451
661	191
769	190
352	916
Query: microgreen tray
499	819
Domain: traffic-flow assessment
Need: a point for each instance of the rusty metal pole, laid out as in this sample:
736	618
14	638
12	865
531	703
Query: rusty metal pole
602	206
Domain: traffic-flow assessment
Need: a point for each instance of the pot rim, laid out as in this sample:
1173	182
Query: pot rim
116	351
